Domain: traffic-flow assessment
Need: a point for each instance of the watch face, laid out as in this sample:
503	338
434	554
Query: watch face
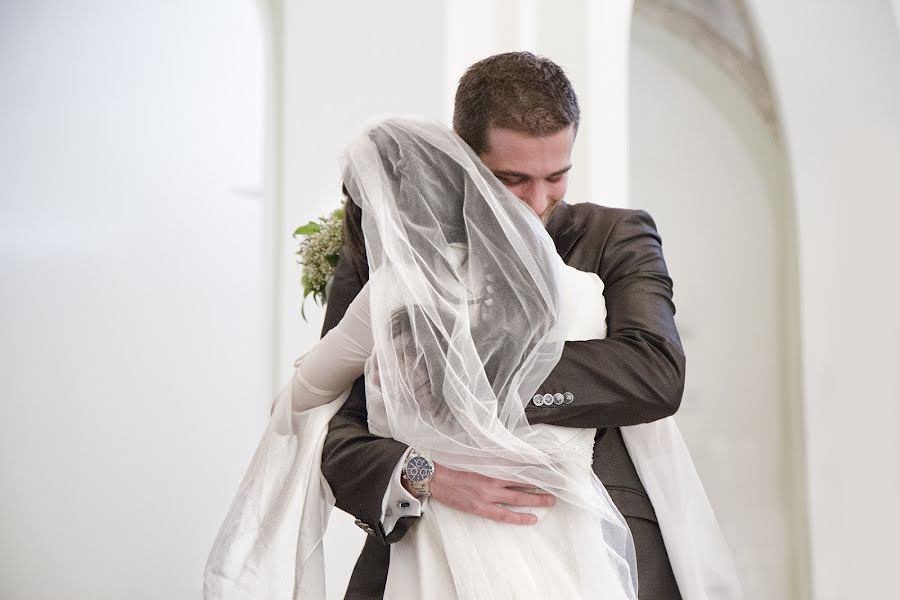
418	469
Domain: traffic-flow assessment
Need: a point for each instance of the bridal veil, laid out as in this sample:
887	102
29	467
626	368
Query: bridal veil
459	347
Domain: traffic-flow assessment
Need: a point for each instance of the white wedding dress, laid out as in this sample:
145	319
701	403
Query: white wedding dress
550	546
261	553
418	568
468	311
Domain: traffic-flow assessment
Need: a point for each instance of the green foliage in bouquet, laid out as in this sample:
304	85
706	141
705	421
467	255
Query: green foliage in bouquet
319	248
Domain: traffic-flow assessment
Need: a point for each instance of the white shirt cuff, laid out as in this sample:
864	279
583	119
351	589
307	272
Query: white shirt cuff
397	501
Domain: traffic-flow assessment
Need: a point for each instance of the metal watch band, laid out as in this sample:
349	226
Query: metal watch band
423	470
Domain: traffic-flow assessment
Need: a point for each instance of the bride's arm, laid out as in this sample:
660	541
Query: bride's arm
338	359
358	465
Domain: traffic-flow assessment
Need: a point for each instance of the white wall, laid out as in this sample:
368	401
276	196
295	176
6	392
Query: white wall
134	306
836	69
706	166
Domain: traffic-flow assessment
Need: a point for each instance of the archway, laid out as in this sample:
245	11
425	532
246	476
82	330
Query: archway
707	161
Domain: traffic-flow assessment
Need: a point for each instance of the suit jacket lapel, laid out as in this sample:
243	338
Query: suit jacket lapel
563	228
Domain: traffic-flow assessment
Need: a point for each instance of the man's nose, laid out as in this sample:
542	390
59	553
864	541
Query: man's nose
536	196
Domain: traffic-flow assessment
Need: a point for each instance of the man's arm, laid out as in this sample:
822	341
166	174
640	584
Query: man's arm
636	374
361	467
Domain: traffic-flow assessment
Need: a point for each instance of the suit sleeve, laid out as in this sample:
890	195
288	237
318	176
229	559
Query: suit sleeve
357	465
636	374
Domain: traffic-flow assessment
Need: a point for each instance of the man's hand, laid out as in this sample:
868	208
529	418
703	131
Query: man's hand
480	495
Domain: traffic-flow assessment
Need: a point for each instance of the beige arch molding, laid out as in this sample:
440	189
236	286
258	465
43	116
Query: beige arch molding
723	32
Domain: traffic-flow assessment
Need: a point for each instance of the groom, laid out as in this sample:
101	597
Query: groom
520	114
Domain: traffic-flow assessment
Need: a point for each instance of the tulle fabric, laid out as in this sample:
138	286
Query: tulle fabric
459	324
269	546
460	346
700	557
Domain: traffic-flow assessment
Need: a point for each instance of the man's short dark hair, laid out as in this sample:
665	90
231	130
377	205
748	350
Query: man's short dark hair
514	90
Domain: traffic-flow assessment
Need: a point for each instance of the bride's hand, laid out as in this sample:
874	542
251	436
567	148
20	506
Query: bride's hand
480	495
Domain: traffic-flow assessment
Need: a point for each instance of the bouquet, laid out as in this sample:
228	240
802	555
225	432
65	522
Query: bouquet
320	245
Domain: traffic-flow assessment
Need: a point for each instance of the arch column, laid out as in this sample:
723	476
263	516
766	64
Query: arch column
839	106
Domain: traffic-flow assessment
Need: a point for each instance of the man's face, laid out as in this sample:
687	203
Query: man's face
536	169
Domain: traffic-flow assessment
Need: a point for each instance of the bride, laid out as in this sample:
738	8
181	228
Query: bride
465	313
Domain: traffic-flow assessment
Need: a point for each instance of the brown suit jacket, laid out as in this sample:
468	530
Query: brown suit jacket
635	375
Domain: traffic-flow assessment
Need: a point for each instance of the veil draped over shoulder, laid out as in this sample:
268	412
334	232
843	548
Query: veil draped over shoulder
460	344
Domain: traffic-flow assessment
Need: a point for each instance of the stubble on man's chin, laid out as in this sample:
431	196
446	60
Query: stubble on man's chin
545	218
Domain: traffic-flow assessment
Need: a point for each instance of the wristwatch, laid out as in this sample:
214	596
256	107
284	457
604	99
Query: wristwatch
418	471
